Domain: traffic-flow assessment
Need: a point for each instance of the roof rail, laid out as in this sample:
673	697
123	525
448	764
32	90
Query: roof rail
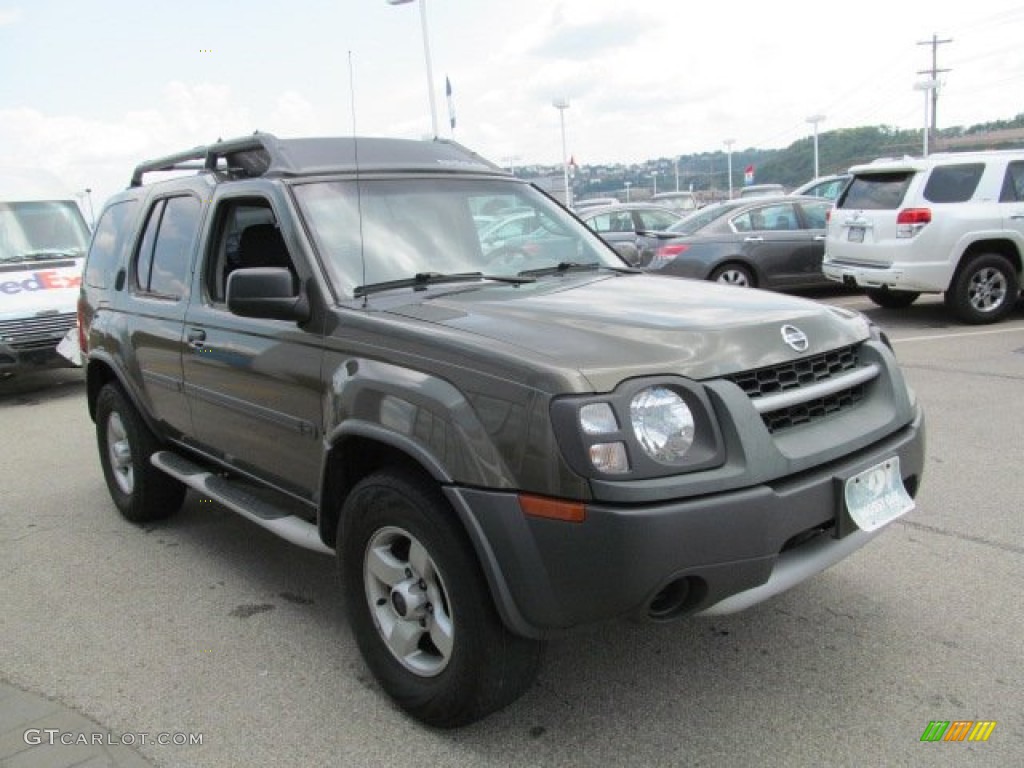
249	155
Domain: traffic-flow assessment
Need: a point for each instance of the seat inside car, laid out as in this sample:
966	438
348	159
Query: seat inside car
261	245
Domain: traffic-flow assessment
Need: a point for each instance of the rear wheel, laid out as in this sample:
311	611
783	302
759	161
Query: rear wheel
734	274
984	290
140	491
892	299
420	607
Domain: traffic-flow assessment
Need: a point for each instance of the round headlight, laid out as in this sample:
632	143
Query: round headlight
663	423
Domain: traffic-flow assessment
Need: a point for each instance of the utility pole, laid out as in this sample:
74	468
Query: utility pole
933	74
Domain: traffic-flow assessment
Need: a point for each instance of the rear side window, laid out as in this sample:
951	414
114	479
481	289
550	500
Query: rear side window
164	254
953	183
876	191
769	217
109	243
656	219
816	214
1013	183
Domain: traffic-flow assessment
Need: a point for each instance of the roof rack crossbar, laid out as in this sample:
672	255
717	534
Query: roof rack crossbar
210	155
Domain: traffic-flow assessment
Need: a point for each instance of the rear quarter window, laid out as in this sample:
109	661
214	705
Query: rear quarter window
953	183
112	238
876	191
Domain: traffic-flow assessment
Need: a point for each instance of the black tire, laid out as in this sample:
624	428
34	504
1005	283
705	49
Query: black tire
984	290
734	274
892	299
140	491
410	578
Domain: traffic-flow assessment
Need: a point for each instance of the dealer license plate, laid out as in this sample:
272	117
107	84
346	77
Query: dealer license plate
876	496
855	235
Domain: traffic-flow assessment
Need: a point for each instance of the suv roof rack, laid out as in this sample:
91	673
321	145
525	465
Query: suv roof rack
263	154
237	155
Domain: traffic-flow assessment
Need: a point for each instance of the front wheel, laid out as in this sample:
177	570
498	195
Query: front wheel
140	491
892	299
984	290
420	608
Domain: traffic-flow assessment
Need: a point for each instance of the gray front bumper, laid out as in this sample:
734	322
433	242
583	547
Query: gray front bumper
740	547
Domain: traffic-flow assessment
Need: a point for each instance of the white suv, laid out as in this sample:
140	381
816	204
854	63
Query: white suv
947	223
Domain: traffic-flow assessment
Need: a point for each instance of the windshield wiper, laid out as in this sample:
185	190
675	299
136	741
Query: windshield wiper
46	254
421	280
572	266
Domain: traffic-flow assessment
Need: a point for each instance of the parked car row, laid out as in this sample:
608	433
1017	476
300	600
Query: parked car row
949	223
771	242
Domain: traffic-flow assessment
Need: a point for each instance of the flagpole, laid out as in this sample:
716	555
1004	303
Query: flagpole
451	104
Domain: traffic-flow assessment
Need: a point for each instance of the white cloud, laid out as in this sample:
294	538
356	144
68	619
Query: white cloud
9	16
100	154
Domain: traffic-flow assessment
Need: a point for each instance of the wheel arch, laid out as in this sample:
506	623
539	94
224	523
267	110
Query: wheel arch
1001	246
99	372
363	449
358	450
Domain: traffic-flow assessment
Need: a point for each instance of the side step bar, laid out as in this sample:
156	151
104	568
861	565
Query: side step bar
264	513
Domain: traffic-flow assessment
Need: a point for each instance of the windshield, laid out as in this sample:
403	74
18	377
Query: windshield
410	228
42	230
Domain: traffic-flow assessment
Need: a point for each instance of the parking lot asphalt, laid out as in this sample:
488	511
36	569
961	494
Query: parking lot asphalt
231	644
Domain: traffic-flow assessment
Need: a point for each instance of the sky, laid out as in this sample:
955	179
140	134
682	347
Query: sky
90	89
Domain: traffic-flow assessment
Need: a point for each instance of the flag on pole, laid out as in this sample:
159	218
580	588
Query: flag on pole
748	175
451	101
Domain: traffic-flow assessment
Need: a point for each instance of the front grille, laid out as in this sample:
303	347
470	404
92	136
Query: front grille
34	333
813	410
796	373
799	374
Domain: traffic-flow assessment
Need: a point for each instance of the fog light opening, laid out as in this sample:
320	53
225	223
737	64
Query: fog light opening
677	597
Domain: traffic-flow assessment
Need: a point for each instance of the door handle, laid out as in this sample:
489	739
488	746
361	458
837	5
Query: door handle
753	239
196	337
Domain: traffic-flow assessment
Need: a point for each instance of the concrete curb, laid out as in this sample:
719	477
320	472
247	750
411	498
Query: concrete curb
36	732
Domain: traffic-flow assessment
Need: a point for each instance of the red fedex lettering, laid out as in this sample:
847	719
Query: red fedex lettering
46	280
50	279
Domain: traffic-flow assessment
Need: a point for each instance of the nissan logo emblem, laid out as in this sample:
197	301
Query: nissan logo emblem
794	337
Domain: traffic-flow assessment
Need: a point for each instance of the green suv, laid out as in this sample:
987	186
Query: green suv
498	441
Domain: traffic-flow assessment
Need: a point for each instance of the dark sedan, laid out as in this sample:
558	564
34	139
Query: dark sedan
767	242
627	227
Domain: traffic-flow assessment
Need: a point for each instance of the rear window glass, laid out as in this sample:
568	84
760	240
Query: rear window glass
953	183
877	191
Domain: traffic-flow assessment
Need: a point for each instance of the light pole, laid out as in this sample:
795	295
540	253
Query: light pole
677	173
654	182
562	104
628	185
814	120
426	56
92	214
86	195
927	86
728	151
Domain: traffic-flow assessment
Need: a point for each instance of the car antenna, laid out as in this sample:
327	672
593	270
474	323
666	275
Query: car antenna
359	193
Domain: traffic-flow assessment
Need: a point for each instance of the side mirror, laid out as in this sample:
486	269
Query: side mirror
267	292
